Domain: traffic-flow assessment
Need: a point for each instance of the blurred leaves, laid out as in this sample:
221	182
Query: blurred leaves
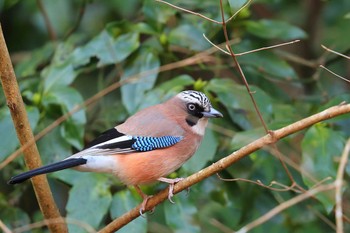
124	201
116	40
204	154
89	201
109	49
133	93
9	141
188	36
320	148
273	29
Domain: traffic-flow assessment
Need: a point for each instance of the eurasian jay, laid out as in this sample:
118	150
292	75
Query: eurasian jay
148	146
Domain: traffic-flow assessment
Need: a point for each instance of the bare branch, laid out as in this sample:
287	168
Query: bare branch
224	51
235	14
258	182
51	31
337	53
4	228
188	11
43	223
337	75
239	68
268	47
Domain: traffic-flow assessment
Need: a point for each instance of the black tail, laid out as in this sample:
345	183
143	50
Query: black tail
68	163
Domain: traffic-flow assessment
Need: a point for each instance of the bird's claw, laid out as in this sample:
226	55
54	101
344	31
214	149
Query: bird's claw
171	183
143	207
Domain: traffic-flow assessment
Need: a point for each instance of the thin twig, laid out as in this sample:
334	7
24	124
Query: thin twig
220	226
229	160
188	11
337	75
338	188
335	52
52	33
268	47
222	50
258	182
88	228
240	9
4	228
78	21
322	217
241	73
285	205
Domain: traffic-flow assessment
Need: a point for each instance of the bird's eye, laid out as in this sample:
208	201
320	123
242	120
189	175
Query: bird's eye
191	107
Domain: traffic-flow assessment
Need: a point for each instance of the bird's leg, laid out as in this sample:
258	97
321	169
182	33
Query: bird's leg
145	198
171	183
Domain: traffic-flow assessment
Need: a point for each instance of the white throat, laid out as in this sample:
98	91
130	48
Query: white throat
199	128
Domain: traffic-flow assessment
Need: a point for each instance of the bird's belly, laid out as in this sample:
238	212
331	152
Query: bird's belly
147	167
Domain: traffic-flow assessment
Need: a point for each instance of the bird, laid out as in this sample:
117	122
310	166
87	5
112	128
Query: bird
147	147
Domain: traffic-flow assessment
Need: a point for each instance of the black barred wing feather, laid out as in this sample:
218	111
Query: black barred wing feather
112	141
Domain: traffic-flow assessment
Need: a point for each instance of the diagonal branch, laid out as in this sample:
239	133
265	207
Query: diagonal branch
25	134
223	163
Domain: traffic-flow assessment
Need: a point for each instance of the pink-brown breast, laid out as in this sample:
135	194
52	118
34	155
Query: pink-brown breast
147	167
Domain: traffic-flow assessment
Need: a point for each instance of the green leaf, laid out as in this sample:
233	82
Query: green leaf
236	4
14	217
320	148
133	93
89	200
68	98
273	29
188	36
107	48
10	142
157	12
180	217
58	75
268	64
124	201
243	138
38	57
204	154
53	147
239	104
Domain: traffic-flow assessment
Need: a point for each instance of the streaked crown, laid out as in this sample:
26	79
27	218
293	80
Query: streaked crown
196	97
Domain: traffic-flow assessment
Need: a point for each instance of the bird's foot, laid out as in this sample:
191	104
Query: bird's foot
171	183
145	198
143	206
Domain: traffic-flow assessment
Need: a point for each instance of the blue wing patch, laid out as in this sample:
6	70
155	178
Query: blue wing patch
151	143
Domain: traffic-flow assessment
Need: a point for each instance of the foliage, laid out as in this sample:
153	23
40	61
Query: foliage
126	40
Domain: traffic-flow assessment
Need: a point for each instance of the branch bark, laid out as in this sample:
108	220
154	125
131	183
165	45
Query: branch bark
220	165
25	134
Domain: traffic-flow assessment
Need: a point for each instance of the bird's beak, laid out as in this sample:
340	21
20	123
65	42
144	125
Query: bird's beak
212	114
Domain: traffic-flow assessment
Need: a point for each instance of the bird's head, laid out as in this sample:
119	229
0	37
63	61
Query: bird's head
198	109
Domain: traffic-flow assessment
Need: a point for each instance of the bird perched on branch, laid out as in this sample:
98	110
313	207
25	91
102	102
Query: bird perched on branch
146	147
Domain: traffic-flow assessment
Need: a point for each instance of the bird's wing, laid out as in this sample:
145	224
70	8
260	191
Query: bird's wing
114	142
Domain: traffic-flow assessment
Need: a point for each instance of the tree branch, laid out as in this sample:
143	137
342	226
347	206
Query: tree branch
223	163
25	134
